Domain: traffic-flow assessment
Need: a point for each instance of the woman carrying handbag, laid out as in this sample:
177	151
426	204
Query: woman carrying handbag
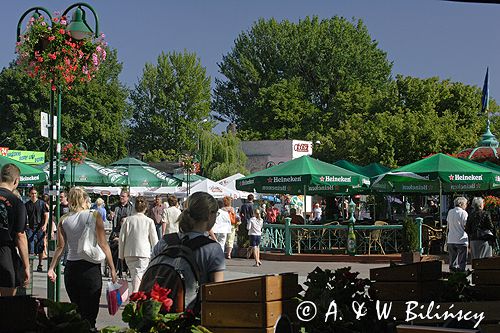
82	275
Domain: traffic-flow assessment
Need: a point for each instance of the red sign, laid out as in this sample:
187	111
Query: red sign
301	147
4	151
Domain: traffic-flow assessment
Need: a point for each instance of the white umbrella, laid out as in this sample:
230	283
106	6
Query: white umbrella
211	187
230	183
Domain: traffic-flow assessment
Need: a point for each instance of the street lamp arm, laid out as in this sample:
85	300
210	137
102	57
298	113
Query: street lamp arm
86	5
36	10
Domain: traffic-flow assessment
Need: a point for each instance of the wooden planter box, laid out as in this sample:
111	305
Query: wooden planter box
486	263
256	289
422	271
252	305
415	291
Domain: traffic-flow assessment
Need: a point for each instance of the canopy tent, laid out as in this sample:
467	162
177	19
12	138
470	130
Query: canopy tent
230	183
88	173
184	177
140	174
211	187
303	175
29	174
161	191
438	173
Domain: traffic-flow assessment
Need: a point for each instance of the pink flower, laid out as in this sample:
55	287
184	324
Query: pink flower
51	38
63	22
62	31
43	24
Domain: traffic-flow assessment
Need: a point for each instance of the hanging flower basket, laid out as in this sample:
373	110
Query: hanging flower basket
74	154
48	52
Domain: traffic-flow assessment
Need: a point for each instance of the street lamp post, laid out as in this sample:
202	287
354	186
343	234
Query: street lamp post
78	29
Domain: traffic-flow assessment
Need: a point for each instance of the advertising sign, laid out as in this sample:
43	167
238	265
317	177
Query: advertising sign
28	157
301	148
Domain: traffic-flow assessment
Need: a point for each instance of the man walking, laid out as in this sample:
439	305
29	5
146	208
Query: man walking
457	237
14	270
122	210
156	214
38	217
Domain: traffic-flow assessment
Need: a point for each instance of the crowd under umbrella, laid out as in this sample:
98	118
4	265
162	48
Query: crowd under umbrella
304	175
29	174
138	173
439	173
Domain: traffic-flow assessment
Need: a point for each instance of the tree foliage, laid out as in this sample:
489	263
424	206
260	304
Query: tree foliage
423	117
221	155
288	79
92	112
169	103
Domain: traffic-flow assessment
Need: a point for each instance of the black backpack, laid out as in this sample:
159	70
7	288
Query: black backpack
175	268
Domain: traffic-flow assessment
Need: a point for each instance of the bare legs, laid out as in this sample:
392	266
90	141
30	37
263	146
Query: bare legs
256	254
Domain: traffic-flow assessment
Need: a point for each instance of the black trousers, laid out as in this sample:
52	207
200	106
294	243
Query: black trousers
83	283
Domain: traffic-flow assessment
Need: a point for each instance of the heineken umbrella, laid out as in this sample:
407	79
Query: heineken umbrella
88	173
303	175
138	173
373	170
29	174
184	177
439	173
349	166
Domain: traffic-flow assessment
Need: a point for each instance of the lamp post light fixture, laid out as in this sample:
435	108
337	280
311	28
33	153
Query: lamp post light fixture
78	29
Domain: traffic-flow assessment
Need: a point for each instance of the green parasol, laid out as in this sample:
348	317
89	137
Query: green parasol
303	175
349	166
88	173
29	174
373	170
138	173
438	173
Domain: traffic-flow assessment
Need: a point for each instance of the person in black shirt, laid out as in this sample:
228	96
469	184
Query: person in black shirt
38	216
14	270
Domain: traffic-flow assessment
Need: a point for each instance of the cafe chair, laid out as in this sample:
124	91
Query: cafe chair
430	235
375	238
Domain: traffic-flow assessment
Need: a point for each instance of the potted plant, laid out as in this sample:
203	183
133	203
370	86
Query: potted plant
410	250
344	288
150	312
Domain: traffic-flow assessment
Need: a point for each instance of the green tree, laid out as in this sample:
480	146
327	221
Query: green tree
169	103
306	76
221	155
92	112
424	116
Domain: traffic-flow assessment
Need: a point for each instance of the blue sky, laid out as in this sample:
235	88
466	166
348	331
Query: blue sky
423	38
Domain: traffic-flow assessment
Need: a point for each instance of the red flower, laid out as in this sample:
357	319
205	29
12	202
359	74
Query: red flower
139	296
61	31
161	295
51	38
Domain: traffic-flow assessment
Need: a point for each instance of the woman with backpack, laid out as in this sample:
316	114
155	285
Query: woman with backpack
254	227
168	263
82	277
137	236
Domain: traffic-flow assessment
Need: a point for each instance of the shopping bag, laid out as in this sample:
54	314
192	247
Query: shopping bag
123	289
113	297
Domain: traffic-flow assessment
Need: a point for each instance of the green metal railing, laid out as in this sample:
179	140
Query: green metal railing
292	238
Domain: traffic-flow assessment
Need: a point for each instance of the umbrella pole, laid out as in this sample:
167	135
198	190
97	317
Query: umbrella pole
305	204
440	203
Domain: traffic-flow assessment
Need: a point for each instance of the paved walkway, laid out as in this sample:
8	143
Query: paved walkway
236	268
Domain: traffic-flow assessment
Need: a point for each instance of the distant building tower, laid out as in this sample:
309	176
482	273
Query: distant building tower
486	150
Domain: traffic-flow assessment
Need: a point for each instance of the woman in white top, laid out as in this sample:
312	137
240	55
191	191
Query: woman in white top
82	278
137	237
254	226
222	226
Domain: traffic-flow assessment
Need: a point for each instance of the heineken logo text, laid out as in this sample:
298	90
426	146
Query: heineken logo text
333	179
290	179
466	177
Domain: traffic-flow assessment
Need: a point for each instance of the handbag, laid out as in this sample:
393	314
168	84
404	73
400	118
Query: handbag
87	244
484	234
113	297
